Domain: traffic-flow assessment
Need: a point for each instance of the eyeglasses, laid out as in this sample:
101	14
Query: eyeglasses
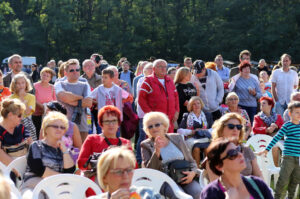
57	127
232	154
19	115
121	172
107	122
73	70
232	126
233	99
154	125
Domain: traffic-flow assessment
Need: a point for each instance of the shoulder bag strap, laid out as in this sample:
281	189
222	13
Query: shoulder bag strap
254	186
108	142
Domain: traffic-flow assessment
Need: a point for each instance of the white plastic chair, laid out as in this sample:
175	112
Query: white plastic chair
155	179
203	180
2	168
259	143
19	164
65	186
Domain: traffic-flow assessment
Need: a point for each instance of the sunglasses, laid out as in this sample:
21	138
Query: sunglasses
232	126
154	125
57	127
232	154
73	70
121	172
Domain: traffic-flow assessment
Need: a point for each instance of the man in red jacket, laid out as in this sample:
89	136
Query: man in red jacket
158	93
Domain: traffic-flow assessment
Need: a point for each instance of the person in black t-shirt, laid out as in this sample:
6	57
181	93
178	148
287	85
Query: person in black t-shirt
185	89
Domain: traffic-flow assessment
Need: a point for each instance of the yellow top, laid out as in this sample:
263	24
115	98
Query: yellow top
29	101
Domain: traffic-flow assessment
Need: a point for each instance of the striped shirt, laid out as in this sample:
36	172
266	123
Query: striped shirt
292	141
242	90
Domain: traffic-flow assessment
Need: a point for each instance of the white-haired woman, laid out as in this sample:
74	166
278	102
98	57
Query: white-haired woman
162	148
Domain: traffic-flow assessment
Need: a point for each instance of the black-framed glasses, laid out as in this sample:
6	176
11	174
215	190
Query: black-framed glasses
57	127
121	172
154	125
232	126
107	122
73	70
232	154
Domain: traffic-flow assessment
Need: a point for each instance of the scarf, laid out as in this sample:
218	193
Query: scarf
193	118
268	120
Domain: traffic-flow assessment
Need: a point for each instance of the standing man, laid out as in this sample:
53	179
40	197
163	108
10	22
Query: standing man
126	74
211	88
245	55
284	82
222	70
15	64
74	95
158	93
94	81
188	62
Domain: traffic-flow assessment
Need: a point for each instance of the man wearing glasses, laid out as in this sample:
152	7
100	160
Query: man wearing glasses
244	55
74	95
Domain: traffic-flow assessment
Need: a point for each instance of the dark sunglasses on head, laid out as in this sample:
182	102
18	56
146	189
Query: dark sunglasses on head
72	70
154	125
232	126
232	154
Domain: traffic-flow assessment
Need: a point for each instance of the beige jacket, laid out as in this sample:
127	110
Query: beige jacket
150	160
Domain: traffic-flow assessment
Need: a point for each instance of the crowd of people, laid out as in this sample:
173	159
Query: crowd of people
103	121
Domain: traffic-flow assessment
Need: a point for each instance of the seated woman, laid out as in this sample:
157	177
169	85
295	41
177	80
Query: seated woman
109	118
232	101
71	138
49	156
268	122
13	134
226	160
231	125
194	128
20	86
162	148
114	172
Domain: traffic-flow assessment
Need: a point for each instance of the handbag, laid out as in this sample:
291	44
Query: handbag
17	150
176	167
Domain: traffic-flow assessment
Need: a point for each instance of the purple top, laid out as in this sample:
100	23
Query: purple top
214	191
224	190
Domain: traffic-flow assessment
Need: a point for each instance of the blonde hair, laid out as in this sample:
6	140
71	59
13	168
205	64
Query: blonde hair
14	81
192	101
61	70
181	73
47	70
139	68
218	126
110	159
230	95
155	115
4	188
14	106
51	117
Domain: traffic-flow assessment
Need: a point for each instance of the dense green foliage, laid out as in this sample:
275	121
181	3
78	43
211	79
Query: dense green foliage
138	29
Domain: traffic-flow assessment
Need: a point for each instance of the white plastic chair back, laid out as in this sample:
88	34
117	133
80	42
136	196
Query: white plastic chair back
259	143
65	186
155	179
2	168
19	164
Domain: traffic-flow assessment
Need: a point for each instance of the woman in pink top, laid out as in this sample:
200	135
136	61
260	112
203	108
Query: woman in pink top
44	93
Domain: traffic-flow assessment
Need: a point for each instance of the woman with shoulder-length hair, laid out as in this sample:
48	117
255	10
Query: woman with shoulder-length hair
185	89
226	160
161	149
232	125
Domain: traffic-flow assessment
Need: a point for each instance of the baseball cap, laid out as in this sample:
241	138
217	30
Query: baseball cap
198	66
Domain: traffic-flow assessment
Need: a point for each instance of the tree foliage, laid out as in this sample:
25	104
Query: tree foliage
139	29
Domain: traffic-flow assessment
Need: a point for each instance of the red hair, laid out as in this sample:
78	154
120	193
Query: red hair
109	110
244	64
268	99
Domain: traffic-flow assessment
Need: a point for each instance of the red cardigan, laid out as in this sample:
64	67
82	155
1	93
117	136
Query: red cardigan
259	127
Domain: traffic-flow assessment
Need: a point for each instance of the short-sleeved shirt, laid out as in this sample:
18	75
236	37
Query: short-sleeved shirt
224	73
81	89
249	156
285	82
17	137
44	95
29	100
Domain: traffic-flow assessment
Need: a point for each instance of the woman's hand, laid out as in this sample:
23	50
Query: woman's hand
121	193
188	178
62	146
252	92
29	140
274	126
185	103
158	144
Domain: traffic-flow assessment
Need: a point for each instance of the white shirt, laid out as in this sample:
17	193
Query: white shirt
285	82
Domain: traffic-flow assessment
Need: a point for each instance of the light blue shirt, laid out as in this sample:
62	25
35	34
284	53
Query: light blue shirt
224	73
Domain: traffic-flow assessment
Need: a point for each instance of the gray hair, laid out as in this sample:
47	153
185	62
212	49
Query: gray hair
159	60
10	59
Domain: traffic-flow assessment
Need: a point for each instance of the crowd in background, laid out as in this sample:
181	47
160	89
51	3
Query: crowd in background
65	116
